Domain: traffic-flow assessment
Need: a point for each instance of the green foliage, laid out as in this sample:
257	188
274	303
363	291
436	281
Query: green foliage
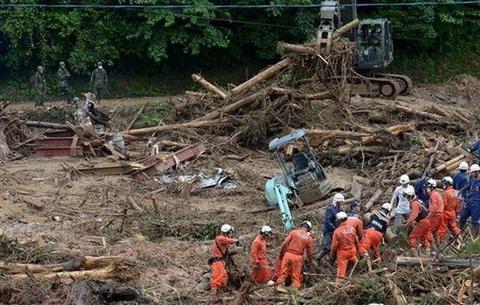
153	114
431	41
470	249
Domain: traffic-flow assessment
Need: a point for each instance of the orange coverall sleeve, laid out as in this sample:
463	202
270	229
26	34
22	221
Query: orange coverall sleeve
254	252
333	248
414	214
286	243
225	241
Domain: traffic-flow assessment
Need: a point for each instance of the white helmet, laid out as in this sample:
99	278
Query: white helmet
404	179
431	183
338	198
447	180
463	166
307	224
226	228
474	168
341	216
387	206
266	230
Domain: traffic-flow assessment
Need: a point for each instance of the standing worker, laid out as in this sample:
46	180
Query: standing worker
376	228
331	222
344	245
450	199
460	182
40	86
219	276
401	204
261	273
421	230
472	208
295	245
99	81
62	81
436	206
421	189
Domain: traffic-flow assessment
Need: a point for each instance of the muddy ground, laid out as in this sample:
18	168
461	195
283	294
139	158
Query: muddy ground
57	218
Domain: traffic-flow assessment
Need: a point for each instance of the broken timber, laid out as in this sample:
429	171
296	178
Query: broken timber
405	261
209	86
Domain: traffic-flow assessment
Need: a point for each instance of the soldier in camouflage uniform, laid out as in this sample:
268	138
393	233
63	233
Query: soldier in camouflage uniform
62	81
38	81
99	81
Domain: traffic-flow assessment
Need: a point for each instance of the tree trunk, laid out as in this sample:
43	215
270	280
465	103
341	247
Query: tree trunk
209	86
193	124
37	124
262	76
405	261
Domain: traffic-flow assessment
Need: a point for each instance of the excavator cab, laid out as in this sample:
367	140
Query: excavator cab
302	179
374	44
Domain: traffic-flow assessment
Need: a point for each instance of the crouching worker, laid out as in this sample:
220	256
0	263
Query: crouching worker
376	228
421	231
261	273
295	245
219	276
344	245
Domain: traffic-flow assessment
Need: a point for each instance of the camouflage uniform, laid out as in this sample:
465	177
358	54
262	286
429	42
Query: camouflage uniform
62	77
38	81
99	81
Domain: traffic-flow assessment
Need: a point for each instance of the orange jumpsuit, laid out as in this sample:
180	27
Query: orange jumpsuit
374	233
296	243
219	276
449	213
421	232
345	246
435	215
261	273
357	224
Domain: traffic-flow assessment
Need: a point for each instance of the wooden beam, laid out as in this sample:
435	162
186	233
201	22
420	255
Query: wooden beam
209	86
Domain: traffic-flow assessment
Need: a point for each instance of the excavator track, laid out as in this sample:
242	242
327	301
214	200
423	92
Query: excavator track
405	82
375	87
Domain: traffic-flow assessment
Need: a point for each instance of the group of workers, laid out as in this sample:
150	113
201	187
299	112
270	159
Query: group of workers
429	215
98	82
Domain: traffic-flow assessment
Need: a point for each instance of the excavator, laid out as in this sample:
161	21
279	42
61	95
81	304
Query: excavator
374	49
301	181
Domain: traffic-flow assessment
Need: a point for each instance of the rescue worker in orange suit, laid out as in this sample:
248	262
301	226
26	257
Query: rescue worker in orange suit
375	229
451	200
219	276
344	245
421	231
436	207
295	245
261	273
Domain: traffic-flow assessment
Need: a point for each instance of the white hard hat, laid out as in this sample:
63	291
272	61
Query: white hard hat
463	166
341	216
404	179
226	228
431	183
409	192
266	230
387	206
474	168
338	198
306	224
448	180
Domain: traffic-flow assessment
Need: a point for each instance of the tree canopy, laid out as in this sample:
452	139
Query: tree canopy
126	37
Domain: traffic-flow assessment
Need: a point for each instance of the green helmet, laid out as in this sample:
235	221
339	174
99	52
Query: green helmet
40	69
